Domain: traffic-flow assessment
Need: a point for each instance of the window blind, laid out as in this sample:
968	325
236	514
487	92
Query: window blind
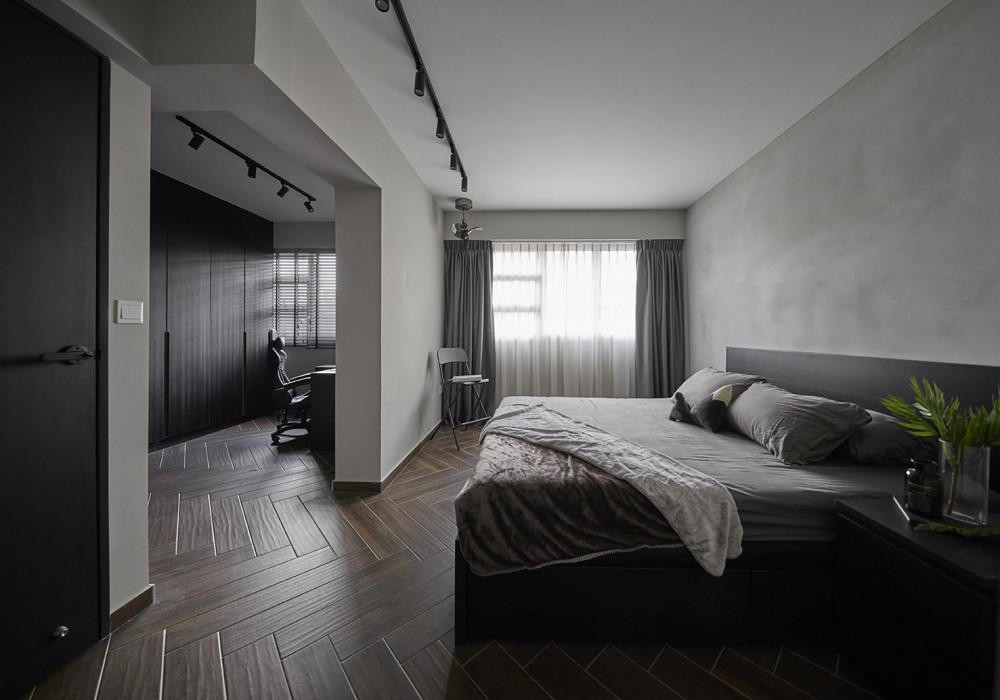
305	298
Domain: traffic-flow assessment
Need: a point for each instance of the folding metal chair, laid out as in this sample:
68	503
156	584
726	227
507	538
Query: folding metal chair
451	389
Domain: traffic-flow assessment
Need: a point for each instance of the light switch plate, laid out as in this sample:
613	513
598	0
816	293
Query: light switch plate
128	311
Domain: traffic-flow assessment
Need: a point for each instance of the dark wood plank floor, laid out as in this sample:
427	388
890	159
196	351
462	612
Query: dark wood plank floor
269	585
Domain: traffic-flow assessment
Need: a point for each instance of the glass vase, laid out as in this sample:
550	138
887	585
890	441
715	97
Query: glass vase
966	475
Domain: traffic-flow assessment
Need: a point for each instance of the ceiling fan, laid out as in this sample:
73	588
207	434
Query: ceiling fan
461	230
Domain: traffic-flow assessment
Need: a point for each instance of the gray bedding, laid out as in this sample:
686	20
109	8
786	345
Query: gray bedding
776	502
698	508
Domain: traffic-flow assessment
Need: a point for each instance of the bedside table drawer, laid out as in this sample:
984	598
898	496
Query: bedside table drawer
902	665
945	615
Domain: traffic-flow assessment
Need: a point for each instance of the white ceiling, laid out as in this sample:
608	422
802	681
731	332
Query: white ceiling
218	172
598	104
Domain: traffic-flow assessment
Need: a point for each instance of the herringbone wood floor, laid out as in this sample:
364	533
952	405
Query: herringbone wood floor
268	585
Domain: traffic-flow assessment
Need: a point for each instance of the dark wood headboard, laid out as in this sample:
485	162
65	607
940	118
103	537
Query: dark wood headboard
862	380
866	380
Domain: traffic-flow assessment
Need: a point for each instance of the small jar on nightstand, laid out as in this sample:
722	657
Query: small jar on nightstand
924	492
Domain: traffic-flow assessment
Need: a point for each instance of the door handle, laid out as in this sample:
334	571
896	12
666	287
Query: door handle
72	355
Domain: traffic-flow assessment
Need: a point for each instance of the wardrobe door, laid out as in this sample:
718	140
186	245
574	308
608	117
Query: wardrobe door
226	347
259	316
53	231
211	266
189	291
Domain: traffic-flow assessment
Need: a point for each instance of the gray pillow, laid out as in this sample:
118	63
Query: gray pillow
705	382
710	413
796	429
885	441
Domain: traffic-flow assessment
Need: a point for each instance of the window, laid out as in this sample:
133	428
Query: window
564	289
305	298
564	318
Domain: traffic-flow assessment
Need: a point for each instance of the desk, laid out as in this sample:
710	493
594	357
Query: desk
323	393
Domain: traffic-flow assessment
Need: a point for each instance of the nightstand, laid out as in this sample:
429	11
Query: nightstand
918	610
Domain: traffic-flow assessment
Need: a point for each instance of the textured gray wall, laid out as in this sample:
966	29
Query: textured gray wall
872	226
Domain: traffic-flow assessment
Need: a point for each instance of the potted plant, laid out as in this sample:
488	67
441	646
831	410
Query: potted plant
965	436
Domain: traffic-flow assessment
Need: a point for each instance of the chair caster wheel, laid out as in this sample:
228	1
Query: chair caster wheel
274	441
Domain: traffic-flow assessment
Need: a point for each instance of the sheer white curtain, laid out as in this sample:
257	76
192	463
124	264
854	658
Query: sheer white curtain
564	319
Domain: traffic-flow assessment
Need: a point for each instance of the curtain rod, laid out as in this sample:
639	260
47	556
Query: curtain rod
566	240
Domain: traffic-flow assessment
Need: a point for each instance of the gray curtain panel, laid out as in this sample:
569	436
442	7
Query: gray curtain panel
659	318
468	314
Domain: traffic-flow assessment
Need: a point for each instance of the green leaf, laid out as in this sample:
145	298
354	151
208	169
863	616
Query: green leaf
932	414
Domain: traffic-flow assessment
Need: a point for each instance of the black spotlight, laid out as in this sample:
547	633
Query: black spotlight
283	191
465	183
440	130
251	169
454	160
382	5
418	83
196	140
308	205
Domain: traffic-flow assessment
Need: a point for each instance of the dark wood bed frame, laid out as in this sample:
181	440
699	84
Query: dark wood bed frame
776	592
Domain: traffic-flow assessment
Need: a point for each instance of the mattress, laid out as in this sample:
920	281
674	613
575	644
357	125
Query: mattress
776	501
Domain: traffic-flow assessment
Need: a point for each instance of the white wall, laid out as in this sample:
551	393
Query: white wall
128	21
128	345
389	291
871	226
359	372
305	235
412	317
202	32
571	225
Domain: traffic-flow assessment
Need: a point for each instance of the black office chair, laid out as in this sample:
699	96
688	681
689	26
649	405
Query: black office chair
284	394
451	389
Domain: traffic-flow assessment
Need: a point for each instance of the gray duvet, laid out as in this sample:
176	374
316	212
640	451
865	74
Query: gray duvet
528	506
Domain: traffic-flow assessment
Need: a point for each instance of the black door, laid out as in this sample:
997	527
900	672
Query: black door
50	236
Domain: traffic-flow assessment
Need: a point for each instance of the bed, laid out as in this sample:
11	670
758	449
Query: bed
780	588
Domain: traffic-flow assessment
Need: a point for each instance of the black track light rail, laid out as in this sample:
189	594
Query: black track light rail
404	24
252	165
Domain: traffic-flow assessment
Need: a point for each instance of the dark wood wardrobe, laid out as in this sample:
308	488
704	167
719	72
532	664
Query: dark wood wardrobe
211	304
